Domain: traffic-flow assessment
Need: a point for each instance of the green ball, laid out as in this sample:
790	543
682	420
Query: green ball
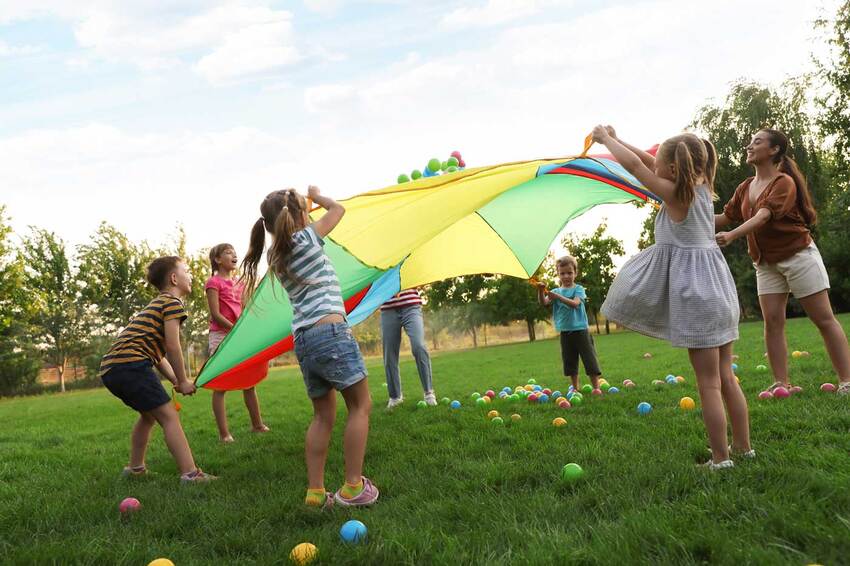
452	161
451	169
415	174
444	166
576	400
434	164
761	368
475	395
403	178
605	387
480	402
421	404
514	397
445	400
497	421
532	381
571	472
587	388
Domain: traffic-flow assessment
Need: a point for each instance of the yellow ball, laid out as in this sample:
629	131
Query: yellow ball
687	404
680	379
161	562
529	387
492	414
559	421
559	399
515	417
796	354
602	381
486	400
519	388
304	553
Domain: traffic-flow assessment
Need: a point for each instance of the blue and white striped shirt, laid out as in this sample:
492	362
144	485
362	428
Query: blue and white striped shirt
317	293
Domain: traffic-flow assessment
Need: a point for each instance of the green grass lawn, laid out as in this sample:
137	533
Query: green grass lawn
455	489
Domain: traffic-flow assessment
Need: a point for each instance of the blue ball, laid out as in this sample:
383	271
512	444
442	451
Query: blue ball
570	396
538	388
543	398
353	531
672	380
455	404
507	389
734	367
613	390
644	408
556	394
669	377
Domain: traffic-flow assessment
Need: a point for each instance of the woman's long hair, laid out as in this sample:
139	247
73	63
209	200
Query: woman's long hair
788	166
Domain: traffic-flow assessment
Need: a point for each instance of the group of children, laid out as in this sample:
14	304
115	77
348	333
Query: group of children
680	290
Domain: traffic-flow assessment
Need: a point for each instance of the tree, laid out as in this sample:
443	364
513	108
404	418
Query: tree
595	255
53	292
730	126
515	299
18	362
464	298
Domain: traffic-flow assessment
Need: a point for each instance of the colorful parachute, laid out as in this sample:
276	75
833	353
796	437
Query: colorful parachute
499	219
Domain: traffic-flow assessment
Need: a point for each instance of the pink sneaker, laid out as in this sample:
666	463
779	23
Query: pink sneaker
368	496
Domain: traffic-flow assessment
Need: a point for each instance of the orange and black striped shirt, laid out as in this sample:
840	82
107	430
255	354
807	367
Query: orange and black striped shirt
144	337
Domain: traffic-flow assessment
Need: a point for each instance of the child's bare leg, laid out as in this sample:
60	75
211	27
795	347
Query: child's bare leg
358	401
773	312
220	415
139	439
594	380
167	417
318	438
736	402
253	405
706	362
574	379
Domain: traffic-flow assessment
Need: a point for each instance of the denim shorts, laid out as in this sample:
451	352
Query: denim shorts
329	358
137	385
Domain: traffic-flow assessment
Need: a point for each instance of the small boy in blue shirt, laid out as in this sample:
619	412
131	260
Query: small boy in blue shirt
571	321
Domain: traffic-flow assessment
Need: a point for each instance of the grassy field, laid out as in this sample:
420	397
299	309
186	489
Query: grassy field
455	489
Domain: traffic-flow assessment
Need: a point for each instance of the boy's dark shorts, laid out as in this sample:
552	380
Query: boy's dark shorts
137	385
575	343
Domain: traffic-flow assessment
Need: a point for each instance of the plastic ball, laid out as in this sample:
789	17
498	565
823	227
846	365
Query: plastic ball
828	388
304	553
734	367
805	354
421	405
515	417
657	382
455	404
547	391
490	393
781	393
559	421
475	395
564	404
519	388
765	395
161	562
576	400
559	399
557	394
596	392
626	382
129	505
352	531
480	401
680	379
434	164
669	377
506	389
403	178
647	355
486	400
686	404
452	161
502	395
795	390
529	387
604	386
456	154
644	408
461	164
416	174
587	388
761	368
497	421
532	398
445	400
537	388
532	381
543	398
630	384
613	390
571	472
492	414
602	380
796	354
514	397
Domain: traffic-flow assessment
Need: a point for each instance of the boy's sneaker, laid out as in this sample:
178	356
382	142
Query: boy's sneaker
843	388
197	476
393	403
715	466
430	398
367	496
129	472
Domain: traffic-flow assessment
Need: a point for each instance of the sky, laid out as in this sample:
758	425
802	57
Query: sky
148	114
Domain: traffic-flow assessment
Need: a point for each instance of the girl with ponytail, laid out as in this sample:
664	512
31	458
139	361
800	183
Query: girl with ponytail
775	211
329	356
681	289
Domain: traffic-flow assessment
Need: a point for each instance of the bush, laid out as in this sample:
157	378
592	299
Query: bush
18	370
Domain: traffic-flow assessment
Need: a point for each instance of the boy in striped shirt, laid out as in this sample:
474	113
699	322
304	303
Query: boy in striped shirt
152	339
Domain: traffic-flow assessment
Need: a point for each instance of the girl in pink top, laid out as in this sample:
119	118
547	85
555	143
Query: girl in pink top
224	298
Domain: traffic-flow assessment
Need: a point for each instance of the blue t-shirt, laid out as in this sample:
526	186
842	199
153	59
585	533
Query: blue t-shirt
566	317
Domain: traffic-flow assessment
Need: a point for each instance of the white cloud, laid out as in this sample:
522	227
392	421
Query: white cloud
7	50
494	12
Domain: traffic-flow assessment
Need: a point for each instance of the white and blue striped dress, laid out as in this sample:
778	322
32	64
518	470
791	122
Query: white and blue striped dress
680	289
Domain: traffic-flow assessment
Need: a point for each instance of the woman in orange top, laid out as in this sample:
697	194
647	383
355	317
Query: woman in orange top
775	209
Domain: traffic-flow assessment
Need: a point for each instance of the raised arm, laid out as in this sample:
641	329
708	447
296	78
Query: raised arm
331	218
646	158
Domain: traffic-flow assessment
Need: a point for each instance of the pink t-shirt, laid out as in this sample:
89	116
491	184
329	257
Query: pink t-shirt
229	299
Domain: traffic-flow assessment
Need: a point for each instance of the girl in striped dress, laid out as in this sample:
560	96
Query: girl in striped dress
680	289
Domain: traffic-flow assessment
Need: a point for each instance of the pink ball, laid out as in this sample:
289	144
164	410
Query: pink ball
629	384
795	389
490	393
129	505
547	391
781	393
564	404
828	388
532	398
596	392
765	395
456	155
